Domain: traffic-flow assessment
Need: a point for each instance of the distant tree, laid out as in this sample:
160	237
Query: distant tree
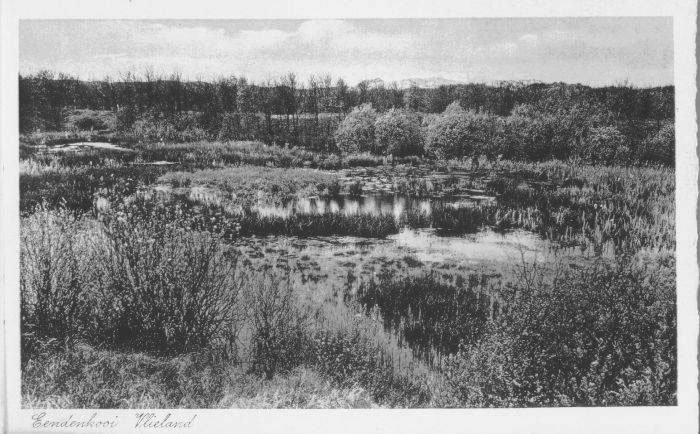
267	98
228	92
363	92
439	99
245	97
327	94
175	94
341	96
517	119
414	98
287	96
356	132
313	97
26	104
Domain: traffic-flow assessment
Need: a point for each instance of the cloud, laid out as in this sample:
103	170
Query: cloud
318	31
315	37
462	49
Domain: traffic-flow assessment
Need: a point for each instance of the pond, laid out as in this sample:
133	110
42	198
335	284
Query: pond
486	246
80	146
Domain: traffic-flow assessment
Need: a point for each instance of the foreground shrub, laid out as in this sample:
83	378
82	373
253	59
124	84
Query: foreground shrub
278	326
169	289
398	133
52	289
604	336
356	132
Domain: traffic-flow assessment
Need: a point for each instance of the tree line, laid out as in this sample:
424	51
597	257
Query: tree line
519	120
43	96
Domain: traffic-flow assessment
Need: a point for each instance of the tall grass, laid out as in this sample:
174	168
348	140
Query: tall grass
135	282
279	326
84	376
433	317
75	188
53	302
632	208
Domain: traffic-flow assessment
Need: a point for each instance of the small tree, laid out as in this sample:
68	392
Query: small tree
414	98
398	133
356	132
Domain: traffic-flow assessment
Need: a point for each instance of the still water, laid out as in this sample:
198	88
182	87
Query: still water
375	204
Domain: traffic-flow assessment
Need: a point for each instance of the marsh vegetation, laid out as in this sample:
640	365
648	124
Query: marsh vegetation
405	259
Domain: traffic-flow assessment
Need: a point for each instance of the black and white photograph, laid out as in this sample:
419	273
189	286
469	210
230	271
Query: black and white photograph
351	213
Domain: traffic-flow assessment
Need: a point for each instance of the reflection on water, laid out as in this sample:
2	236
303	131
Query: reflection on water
483	246
78	146
513	246
377	204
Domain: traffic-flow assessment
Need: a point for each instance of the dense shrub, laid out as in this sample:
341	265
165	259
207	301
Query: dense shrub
605	145
126	117
356	132
52	278
89	124
528	135
87	120
460	133
398	133
142	280
156	127
168	288
605	336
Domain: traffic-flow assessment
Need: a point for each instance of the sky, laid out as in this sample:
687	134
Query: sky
594	51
